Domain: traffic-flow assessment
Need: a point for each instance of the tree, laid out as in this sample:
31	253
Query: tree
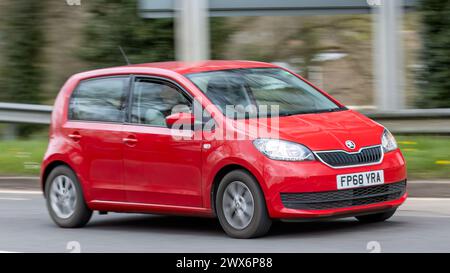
434	78
114	23
22	76
117	22
220	32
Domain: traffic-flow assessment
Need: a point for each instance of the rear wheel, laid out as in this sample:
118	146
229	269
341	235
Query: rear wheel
377	217
241	207
65	201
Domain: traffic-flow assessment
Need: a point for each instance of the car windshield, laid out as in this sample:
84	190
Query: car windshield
258	91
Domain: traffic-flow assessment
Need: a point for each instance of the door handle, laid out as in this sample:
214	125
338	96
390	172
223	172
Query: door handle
75	136
130	140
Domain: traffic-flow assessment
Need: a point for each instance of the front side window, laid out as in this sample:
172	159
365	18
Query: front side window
153	101
99	100
262	87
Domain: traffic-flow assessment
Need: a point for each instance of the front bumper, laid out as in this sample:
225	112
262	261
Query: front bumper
283	177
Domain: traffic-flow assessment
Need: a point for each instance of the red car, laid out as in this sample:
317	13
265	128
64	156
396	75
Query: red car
246	142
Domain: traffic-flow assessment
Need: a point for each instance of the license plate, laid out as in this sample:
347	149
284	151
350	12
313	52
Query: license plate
355	180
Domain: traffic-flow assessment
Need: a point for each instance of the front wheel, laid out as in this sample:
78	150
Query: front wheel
65	201
377	217
241	207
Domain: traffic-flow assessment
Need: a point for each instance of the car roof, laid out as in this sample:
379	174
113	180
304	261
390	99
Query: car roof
170	68
179	67
202	66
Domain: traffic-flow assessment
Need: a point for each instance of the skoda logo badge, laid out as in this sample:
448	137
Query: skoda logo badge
350	144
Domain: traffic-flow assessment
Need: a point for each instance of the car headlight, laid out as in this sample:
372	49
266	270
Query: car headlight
283	150
388	141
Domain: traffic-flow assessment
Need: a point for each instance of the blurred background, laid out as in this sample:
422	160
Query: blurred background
387	59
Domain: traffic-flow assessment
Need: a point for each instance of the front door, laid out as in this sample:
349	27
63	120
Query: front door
160	167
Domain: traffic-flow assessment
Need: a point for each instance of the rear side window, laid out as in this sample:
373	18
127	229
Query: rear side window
100	100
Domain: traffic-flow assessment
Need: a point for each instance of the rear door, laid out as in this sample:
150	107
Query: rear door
161	166
96	116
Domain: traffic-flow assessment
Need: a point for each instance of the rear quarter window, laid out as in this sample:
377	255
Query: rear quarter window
100	100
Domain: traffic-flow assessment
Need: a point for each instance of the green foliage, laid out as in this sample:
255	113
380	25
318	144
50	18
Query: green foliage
23	42
114	23
426	156
220	31
22	157
21	74
435	75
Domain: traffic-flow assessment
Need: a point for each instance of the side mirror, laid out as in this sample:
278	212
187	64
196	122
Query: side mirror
181	120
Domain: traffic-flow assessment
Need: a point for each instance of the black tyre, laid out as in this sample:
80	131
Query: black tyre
65	200
241	207
377	217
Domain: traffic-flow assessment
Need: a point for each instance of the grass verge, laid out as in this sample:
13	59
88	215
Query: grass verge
21	157
427	157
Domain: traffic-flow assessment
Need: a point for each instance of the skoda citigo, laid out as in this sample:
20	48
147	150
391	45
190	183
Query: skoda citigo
161	138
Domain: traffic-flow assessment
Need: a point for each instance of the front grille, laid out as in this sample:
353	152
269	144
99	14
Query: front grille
344	198
341	158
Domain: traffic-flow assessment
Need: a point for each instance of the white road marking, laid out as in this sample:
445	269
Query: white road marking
420	215
14	199
19	191
423	207
19	178
429	182
428	199
2	251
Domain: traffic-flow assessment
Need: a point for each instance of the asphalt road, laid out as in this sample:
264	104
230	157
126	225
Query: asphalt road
421	225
